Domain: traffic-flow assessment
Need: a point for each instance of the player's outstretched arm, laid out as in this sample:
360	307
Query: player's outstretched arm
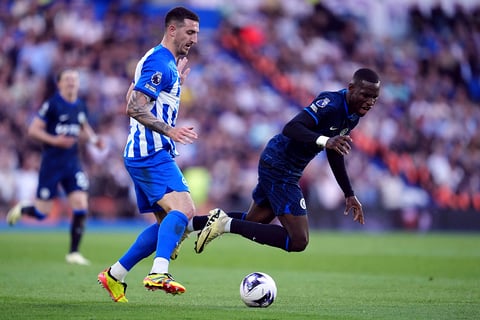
336	161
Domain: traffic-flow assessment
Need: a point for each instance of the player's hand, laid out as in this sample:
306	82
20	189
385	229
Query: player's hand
352	204
182	71
341	144
184	135
62	141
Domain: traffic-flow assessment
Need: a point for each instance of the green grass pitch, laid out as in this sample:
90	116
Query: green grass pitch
339	276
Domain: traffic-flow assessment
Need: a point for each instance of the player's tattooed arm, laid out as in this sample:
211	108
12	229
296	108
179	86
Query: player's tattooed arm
139	106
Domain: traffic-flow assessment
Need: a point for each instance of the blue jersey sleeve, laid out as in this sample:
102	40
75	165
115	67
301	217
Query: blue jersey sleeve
82	112
320	108
330	112
44	111
154	75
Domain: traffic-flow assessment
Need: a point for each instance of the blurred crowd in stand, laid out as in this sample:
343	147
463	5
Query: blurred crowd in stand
252	70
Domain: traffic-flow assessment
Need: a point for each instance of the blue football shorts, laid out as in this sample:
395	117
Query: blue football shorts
69	175
153	182
283	196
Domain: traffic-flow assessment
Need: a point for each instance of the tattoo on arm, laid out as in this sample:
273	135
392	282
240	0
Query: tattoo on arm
139	106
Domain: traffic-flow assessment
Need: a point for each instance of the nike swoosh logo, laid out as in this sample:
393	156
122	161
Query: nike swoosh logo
333	128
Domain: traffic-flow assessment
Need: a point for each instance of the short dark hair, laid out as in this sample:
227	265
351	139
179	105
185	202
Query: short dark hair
179	14
365	74
60	73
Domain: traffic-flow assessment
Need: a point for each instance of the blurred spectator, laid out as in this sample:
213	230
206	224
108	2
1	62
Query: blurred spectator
272	58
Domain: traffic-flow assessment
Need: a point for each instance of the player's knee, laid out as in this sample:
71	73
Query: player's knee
180	201
78	199
189	213
298	244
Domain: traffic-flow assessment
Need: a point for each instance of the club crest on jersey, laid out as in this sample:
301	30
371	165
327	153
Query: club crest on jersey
82	117
156	78
320	103
344	132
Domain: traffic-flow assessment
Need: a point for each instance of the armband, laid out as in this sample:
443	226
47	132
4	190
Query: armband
322	141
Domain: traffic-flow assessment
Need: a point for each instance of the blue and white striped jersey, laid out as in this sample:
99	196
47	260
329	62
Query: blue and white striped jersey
156	75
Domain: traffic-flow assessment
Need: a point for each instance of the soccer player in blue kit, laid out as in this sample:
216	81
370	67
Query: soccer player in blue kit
324	125
60	122
152	103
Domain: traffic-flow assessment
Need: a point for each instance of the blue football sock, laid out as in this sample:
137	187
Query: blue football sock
199	222
237	215
170	231
77	228
142	247
39	215
33	212
269	234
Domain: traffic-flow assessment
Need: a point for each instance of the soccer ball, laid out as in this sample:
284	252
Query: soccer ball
258	289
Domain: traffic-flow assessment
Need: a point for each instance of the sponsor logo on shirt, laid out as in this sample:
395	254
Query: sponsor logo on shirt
67	129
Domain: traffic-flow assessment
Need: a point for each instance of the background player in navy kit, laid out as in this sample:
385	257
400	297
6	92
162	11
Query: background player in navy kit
152	103
60	122
324	125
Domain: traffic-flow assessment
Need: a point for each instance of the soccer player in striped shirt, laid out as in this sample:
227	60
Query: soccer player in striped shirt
153	101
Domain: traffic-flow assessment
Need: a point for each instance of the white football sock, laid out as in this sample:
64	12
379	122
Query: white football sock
227	225
160	265
118	271
189	227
